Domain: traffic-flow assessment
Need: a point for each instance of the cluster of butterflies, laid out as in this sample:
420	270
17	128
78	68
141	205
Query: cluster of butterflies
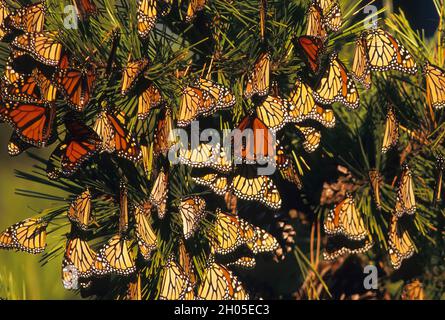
39	72
81	262
347	232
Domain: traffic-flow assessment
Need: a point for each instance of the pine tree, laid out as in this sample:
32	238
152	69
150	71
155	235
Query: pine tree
221	41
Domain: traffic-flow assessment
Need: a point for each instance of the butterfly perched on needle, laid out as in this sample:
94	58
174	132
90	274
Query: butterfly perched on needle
163	138
28	235
79	145
413	290
175	285
401	246
159	193
258	79
146	236
114	258
219	283
30	18
406	199
79	211
435	85
202	98
336	85
304	107
312	48
193	8
192	211
148	99
346	220
206	155
375	179
79	255
112	130
330	12
42	46
132	72
315	27
148	12
33	122
380	51
391	135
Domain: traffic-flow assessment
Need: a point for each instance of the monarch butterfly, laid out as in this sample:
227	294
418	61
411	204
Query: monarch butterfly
28	235
149	98
315	26
16	146
384	52
401	246
42	46
145	234
33	122
206	155
406	200
340	246
147	155
80	210
104	130
391	131
30	18
48	90
331	14
79	254
192	210
440	166
219	283
346	220
228	233
435	85
258	146
85	8
413	291
175	285
134	291
147	16
159	193
77	86
80	144
243	262
217	183
287	169
304	107
163	139
273	112
247	185
360	67
4	13
186	262
375	178
193	8
133	70
336	85
223	97
116	138
202	99
258	80
114	257
312	138
313	48
24	90
257	239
